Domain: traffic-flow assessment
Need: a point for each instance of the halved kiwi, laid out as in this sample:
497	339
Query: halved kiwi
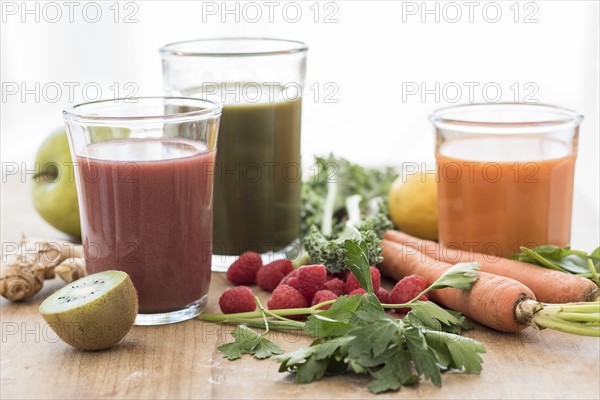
94	312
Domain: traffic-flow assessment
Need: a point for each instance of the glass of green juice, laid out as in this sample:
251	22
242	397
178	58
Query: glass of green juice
258	175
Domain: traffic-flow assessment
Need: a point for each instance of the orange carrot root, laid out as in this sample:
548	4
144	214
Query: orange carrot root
491	301
548	285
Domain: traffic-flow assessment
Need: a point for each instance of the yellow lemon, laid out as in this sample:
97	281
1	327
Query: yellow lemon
413	204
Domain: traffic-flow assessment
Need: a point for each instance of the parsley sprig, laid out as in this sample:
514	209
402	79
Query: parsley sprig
356	334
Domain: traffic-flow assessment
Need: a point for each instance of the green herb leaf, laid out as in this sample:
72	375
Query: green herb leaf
357	261
265	348
395	372
313	362
311	370
393	352
424	358
560	259
248	341
456	351
432	316
335	321
460	276
293	358
372	340
369	310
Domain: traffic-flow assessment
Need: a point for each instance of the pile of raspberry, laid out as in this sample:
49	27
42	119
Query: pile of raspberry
303	287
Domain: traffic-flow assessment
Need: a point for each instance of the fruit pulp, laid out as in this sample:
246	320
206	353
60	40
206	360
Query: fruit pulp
257	177
147	210
499	192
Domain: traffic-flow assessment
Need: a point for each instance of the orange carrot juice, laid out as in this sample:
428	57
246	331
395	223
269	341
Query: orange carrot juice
498	192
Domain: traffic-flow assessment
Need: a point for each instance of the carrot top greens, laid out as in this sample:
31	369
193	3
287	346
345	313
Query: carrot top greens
356	334
563	259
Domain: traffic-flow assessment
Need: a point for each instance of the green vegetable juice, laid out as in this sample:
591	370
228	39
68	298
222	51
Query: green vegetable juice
257	177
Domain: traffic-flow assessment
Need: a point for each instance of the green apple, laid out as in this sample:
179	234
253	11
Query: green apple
54	192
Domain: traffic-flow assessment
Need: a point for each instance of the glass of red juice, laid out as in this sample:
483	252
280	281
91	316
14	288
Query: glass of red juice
144	174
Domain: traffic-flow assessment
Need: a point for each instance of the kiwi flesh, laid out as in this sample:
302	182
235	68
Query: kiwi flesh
94	312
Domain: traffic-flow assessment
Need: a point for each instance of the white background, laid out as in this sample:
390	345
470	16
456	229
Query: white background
368	50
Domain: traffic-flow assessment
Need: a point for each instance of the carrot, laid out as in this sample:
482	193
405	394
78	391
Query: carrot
549	286
491	300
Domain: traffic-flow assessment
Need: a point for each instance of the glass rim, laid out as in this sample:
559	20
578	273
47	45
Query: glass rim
295	47
210	108
450	116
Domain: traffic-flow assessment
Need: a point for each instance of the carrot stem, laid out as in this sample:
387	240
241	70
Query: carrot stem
579	317
588	307
543	320
575	318
593	272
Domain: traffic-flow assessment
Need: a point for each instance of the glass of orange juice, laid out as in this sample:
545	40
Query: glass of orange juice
505	175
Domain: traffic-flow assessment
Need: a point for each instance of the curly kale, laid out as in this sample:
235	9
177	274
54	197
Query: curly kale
349	179
331	252
326	245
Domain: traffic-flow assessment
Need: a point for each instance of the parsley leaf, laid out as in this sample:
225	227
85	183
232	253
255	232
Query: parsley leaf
248	341
433	316
369	308
455	351
313	362
395	372
460	276
393	352
423	357
372	340
265	348
333	322
357	261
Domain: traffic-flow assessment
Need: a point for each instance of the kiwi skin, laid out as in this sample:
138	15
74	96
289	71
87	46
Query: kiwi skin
99	324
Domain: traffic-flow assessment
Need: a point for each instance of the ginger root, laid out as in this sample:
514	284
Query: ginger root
28	264
71	269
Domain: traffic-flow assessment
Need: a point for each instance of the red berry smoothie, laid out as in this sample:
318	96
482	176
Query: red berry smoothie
147	210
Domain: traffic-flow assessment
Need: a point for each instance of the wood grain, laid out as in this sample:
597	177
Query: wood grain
182	360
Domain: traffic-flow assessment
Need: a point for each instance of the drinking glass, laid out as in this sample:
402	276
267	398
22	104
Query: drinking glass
258	169
144	174
505	175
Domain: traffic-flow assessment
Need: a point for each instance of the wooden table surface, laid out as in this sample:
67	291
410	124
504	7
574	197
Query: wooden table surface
182	360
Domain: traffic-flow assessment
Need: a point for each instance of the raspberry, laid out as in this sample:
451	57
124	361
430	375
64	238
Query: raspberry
293	282
237	299
383	295
343	275
321	296
243	270
336	285
406	290
352	283
292	274
269	276
285	296
359	291
311	279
